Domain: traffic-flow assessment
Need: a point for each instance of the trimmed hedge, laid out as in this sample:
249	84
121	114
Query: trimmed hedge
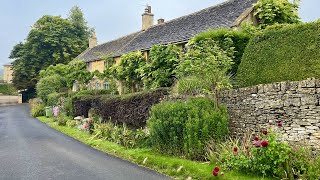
240	40
8	89
131	109
92	92
282	53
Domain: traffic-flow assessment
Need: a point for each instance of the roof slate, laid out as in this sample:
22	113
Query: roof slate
177	30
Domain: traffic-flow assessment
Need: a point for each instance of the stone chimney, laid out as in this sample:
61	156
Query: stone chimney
93	41
147	18
160	21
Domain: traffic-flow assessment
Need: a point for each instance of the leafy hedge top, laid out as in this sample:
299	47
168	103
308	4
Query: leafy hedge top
240	39
289	52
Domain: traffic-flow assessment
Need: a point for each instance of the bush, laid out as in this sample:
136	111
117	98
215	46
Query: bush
183	128
8	89
131	109
122	135
54	99
71	123
283	53
62	119
37	107
50	84
267	155
240	39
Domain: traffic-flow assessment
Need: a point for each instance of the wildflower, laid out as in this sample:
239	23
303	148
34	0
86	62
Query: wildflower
256	138
280	124
264	143
235	149
86	126
265	132
257	144
215	173
217	169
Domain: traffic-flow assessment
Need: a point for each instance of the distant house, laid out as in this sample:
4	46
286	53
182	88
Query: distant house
7	73
230	14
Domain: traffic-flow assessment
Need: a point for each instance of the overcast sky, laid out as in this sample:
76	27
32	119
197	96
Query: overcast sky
110	18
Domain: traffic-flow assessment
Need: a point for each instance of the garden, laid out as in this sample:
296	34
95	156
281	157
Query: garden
170	117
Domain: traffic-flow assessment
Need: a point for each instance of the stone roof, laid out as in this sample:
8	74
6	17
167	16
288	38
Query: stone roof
177	30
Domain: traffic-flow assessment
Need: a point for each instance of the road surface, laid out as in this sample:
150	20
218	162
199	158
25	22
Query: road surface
31	150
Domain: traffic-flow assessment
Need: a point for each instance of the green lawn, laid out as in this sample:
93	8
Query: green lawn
150	159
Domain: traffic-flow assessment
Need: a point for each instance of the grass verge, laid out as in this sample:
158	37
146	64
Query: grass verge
150	159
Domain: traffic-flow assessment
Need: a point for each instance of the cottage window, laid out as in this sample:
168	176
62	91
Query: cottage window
106	85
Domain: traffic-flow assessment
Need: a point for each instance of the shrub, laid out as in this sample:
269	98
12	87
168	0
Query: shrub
54	99
131	109
62	119
239	40
71	123
184	128
68	106
267	155
8	89
120	134
283	53
37	110
50	84
94	92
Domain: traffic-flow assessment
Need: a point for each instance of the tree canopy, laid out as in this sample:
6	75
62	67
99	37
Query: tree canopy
52	40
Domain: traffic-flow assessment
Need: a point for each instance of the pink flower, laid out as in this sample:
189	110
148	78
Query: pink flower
86	126
265	132
280	124
264	143
215	173
90	121
216	169
256	138
235	149
257	144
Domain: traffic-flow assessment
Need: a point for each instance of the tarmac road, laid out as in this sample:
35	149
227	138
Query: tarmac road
30	150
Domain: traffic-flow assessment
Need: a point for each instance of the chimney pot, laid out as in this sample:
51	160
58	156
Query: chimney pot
160	21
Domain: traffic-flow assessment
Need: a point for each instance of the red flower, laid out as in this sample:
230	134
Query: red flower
265	132
256	138
264	143
216	169
215	173
280	124
257	144
235	149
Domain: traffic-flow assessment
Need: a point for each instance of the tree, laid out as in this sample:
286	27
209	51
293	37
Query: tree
128	69
159	71
50	84
271	12
52	40
209	64
77	71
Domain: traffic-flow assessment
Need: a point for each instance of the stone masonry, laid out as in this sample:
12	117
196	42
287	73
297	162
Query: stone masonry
295	104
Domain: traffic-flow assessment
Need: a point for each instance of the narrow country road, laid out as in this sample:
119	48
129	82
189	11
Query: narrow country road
31	150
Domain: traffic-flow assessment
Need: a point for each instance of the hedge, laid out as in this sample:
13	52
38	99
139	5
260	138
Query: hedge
8	89
240	40
93	92
131	109
283	53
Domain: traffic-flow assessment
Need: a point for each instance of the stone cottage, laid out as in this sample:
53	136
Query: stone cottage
230	14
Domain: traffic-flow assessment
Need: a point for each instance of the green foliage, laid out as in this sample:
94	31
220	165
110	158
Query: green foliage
277	159
77	71
62	119
55	99
52	40
128	69
282	53
129	138
68	106
159	71
208	63
71	123
190	86
59	69
183	128
8	89
226	38
50	84
37	108
271	12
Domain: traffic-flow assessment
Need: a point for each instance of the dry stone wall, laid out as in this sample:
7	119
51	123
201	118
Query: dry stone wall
295	104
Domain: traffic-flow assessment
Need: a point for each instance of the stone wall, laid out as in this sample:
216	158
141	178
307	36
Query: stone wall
295	104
